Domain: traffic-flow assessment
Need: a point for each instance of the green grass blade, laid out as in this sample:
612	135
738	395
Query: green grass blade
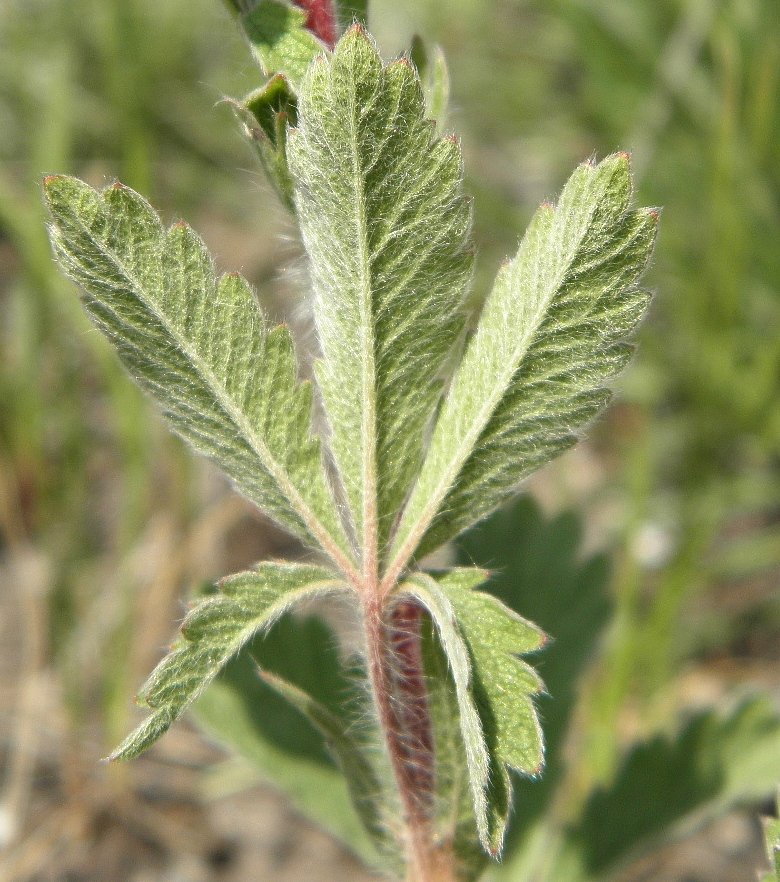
200	347
534	374
385	227
213	633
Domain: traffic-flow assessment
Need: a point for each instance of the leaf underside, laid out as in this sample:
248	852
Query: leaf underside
385	227
200	347
213	633
366	788
455	820
482	639
549	338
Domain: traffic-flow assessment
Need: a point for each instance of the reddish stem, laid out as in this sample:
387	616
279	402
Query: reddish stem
398	684
321	20
410	700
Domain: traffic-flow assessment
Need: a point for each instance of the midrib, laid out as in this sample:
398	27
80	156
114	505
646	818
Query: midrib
224	401
416	533
368	487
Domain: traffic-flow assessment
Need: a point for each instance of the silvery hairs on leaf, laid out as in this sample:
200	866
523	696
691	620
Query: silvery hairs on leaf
213	633
483	639
385	226
550	337
199	345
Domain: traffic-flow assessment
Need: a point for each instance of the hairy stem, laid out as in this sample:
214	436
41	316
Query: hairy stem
398	683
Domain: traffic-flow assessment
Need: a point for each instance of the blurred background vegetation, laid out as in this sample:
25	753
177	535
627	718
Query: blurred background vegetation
106	521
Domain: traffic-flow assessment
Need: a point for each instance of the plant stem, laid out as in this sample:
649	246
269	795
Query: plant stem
398	684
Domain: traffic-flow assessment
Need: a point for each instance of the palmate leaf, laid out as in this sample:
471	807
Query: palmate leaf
671	786
200	347
213	633
385	227
482	639
548	340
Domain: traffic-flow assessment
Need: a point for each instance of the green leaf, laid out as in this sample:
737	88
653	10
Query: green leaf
200	347
430	594
548	339
265	114
244	713
669	787
279	39
502	685
456	826
537	569
213	633
432	68
365	787
385	228
493	681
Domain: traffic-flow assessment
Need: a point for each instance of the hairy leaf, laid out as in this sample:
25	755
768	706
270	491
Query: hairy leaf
200	347
549	338
537	569
244	713
279	39
385	227
670	786
502	685
265	114
364	785
492	681
456	825
430	594
213	633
